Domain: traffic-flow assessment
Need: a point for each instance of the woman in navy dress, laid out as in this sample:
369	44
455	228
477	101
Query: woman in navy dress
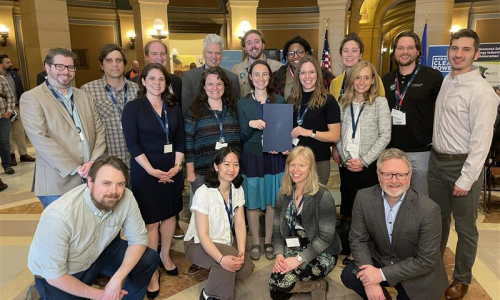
154	132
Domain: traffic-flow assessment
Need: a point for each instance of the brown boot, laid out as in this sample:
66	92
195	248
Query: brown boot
3	186
13	160
317	288
456	291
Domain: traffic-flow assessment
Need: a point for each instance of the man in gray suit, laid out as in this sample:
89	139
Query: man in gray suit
395	237
63	126
212	54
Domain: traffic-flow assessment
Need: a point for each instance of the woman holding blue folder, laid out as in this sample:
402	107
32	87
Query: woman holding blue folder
262	172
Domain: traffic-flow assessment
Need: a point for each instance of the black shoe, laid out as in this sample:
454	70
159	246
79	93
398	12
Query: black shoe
202	297
193	269
173	272
346	261
152	295
8	170
27	158
13	160
3	186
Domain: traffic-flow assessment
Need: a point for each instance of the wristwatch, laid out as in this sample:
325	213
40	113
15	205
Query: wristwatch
299	258
313	134
180	166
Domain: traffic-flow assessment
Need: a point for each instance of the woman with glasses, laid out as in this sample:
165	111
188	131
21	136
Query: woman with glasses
316	115
366	132
262	171
294	50
304	238
154	133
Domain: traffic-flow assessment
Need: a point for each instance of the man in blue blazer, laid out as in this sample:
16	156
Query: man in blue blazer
17	134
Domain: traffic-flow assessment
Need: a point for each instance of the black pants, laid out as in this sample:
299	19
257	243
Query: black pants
352	182
351	282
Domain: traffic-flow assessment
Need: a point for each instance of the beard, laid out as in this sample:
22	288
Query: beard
404	64
107	203
250	53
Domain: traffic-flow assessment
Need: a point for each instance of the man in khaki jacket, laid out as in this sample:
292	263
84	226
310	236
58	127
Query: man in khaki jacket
63	126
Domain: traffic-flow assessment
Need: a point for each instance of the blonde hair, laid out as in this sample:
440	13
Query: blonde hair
318	97
312	181
370	95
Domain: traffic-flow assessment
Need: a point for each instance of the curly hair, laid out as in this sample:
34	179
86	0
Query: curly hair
211	176
169	98
270	84
199	106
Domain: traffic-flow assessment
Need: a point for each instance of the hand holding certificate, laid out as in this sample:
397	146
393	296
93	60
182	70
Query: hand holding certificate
279	124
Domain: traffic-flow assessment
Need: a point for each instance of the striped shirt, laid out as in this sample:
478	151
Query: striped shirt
111	113
202	135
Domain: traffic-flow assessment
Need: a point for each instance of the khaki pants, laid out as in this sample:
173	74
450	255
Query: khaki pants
17	136
220	283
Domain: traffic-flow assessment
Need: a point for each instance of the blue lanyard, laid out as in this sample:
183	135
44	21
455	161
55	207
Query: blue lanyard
219	121
230	208
164	125
56	95
300	118
342	88
401	96
355	123
114	100
295	212
260	107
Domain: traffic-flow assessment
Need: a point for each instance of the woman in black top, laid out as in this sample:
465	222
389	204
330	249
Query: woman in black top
316	115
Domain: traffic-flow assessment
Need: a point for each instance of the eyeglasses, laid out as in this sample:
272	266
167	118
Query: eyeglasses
61	67
299	53
399	176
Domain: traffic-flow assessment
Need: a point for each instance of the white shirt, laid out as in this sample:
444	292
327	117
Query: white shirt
209	201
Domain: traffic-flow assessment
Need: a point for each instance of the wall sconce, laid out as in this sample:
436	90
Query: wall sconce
174	51
384	50
4	33
454	29
157	32
244	27
131	36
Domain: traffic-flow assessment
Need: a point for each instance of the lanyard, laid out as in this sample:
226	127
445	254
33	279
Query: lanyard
219	121
295	212
355	123
229	208
260	106
114	100
291	72
300	118
164	125
401	96
56	95
342	88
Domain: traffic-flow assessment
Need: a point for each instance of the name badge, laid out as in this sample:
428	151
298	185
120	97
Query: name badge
220	145
397	113
351	147
167	148
400	119
292	242
295	141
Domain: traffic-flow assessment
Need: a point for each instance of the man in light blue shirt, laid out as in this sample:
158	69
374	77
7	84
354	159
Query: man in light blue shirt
395	236
78	240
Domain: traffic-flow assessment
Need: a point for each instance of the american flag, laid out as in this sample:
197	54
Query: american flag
325	59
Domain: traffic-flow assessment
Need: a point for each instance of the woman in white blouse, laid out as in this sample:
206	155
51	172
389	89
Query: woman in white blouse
217	209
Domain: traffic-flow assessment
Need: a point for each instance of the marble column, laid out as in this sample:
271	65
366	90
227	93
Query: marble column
240	10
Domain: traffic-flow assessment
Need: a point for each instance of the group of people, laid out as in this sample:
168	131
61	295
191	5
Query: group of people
112	134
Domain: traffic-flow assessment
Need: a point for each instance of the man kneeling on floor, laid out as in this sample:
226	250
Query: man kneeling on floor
78	240
395	237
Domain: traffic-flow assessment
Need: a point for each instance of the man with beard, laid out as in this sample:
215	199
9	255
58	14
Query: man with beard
212	54
411	91
111	93
395	237
64	127
253	42
17	135
466	109
78	239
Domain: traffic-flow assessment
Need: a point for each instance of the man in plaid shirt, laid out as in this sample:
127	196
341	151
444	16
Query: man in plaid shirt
111	93
7	104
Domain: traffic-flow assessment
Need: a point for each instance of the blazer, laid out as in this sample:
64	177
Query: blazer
416	259
375	128
19	85
191	83
55	138
318	219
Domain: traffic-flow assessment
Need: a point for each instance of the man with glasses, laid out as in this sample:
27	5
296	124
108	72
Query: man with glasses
253	43
64	127
111	93
395	236
294	50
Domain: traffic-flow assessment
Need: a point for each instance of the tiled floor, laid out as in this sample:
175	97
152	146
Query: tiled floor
20	211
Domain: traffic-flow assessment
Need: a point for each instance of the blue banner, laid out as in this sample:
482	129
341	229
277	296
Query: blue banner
231	58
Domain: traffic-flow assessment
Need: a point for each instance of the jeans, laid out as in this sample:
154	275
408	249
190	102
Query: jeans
136	283
4	141
46	200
